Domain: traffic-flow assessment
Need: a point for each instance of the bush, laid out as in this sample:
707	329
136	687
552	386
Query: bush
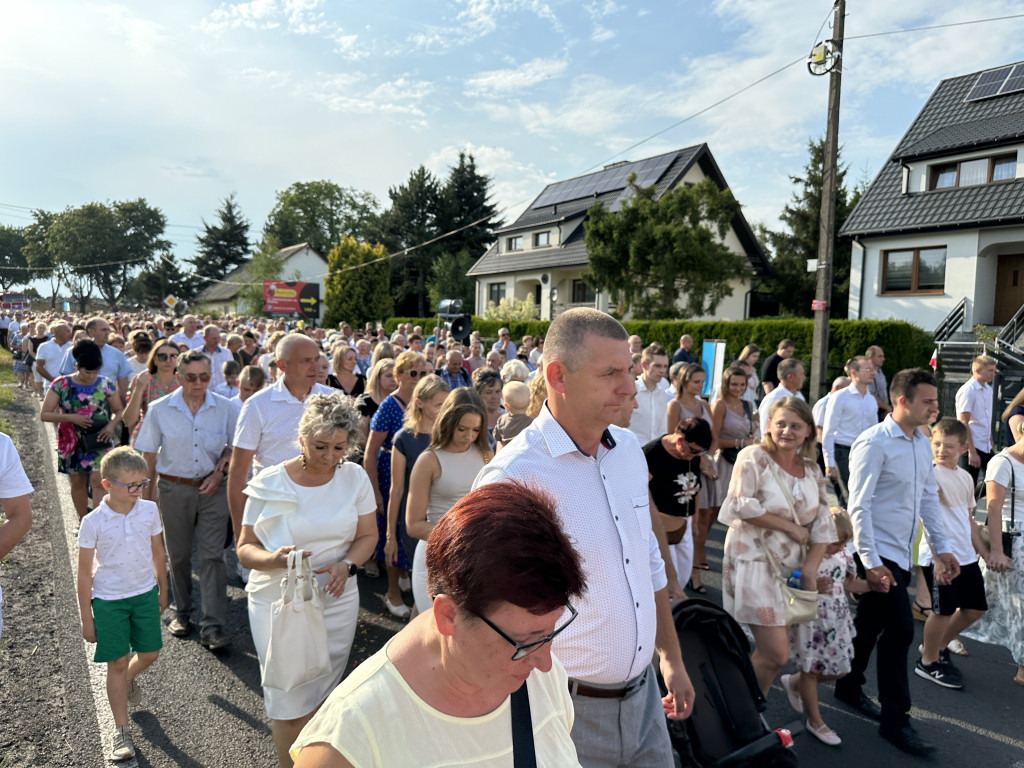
905	345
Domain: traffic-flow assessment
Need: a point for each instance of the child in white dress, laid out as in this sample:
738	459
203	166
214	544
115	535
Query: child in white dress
823	648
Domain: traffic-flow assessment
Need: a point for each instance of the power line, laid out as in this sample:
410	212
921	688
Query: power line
935	26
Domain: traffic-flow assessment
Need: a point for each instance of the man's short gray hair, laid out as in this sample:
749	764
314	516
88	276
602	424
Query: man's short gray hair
192	356
568	334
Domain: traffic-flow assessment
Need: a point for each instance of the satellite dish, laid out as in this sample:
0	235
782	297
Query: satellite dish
824	57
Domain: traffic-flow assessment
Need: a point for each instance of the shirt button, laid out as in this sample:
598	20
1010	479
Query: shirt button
616	517
638	605
627	561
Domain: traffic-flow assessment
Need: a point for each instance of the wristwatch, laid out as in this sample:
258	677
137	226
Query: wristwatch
352	568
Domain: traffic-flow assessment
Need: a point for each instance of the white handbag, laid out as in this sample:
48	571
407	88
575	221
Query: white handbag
297	653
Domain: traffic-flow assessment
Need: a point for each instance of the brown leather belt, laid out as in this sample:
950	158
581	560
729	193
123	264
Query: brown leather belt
582	689
181	480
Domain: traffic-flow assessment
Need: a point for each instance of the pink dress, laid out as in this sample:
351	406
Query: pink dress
750	591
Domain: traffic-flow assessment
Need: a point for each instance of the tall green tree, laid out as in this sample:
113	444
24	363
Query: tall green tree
663	258
406	226
222	246
319	213
358	289
13	265
465	205
264	265
789	250
154	284
38	255
448	280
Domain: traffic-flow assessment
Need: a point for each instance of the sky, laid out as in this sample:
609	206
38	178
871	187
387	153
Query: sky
183	103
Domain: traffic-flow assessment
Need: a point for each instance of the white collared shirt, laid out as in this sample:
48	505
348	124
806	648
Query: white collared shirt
269	424
847	415
766	404
217	359
195	342
976	399
605	510
122	564
187	446
649	419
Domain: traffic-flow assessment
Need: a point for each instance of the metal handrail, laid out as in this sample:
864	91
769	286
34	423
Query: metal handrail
1012	331
953	322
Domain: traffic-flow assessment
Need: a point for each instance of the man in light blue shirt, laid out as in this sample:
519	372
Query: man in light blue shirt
115	365
892	487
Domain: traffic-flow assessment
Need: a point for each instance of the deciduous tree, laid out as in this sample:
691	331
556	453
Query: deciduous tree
357	283
264	265
448	280
664	257
38	254
319	213
13	266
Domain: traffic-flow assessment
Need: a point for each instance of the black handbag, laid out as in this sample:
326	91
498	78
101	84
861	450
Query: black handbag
730	454
89	441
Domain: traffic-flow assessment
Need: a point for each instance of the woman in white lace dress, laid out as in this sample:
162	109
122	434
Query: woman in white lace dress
771	483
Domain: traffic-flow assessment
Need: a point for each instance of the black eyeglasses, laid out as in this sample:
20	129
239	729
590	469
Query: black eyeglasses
525	649
133	487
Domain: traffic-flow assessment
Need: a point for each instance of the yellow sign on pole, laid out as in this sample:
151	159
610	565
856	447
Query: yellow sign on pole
171	302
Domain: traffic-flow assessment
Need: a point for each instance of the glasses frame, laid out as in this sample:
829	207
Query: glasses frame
192	378
163	357
523	650
133	487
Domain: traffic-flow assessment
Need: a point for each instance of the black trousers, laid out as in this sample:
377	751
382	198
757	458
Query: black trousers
883	620
965	463
841	456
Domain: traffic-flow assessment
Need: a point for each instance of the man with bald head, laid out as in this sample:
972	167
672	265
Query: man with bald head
268	424
684	353
51	352
189	334
115	366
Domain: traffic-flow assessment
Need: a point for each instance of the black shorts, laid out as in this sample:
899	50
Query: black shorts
967	591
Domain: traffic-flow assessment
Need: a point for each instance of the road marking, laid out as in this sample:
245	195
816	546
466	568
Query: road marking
97	672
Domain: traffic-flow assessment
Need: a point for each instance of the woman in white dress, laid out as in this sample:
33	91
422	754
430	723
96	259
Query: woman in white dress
322	504
443	474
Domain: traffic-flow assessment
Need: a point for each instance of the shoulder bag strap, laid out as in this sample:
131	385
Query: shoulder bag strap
1013	499
774	469
523	753
750	418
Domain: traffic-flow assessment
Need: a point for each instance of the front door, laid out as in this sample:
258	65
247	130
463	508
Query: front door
1009	288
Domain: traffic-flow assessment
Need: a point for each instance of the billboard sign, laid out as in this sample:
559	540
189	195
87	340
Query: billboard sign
291	299
13	301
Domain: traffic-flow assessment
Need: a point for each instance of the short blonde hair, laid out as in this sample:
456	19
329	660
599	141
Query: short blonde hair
803	410
516	396
407	361
844	526
120	461
326	414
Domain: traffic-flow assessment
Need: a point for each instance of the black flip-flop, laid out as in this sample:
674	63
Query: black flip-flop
919	612
702	567
700	589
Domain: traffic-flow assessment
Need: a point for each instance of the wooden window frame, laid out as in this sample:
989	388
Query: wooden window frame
914	290
934	171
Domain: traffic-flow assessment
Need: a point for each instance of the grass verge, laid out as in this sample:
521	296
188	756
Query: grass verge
7	394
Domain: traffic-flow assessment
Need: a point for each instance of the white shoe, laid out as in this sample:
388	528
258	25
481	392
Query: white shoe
825	735
400	611
794	698
404	583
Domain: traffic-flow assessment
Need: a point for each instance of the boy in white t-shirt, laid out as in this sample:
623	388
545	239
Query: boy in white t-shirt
962	602
122	584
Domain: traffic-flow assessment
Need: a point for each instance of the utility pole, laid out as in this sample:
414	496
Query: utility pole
827	219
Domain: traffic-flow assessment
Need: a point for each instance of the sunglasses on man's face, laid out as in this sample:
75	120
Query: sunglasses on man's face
192	378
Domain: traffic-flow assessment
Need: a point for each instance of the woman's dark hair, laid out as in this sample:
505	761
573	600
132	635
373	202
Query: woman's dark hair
87	355
460	402
695	431
503	543
484	377
159	347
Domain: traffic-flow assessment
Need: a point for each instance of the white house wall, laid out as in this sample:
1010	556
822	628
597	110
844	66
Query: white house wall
917	180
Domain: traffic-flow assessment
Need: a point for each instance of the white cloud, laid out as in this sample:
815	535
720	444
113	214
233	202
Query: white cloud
601	34
477	19
339	93
256	14
502	81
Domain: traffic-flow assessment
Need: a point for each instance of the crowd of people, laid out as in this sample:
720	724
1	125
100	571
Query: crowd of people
558	487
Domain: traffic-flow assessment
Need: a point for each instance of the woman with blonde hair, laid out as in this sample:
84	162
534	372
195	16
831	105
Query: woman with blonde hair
776	507
538	394
383	351
444	473
409	367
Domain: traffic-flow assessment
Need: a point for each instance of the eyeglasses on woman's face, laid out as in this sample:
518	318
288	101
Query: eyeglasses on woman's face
523	650
163	357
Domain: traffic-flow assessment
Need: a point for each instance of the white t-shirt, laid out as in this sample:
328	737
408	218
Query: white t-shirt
358	720
122	565
956	500
195	342
998	470
51	355
13	480
976	399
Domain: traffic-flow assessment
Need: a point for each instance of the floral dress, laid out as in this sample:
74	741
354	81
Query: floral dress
825	645
156	391
92	399
388	419
750	590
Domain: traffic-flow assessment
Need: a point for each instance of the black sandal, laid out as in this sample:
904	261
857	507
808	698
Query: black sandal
700	589
920	612
702	567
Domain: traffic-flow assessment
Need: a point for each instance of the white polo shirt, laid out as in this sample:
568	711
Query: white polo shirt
51	354
122	565
217	359
848	414
13	480
269	424
604	509
976	399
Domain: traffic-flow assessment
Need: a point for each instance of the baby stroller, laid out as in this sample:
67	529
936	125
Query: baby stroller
727	728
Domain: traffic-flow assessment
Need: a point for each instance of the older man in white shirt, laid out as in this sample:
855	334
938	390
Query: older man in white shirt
597	475
650	417
51	352
189	334
186	440
791	378
850	412
218	355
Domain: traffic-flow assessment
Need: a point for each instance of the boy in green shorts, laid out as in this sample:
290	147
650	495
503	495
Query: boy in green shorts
122	584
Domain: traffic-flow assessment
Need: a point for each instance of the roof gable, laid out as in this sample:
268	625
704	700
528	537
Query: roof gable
230	284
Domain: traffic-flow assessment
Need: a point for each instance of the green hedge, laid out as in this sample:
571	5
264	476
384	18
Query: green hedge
905	345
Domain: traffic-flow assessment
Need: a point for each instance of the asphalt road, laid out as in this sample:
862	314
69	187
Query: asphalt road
205	708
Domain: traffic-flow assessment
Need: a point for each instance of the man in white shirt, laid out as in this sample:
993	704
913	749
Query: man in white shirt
268	425
791	378
15	327
186	441
597	475
218	355
15	500
850	411
5	326
52	351
650	417
189	335
974	408
878	387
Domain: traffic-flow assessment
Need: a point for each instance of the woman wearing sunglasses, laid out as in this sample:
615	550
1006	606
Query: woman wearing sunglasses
150	385
503	576
386	422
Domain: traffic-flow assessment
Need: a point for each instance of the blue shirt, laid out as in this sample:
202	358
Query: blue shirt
186	445
460	379
892	486
115	365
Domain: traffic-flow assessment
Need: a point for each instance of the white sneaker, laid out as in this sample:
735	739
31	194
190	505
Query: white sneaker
122	748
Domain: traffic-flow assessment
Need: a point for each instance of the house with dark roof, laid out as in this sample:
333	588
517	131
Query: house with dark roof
302	263
542	255
943	222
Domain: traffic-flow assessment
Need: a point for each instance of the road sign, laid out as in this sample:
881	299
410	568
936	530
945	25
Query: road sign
171	302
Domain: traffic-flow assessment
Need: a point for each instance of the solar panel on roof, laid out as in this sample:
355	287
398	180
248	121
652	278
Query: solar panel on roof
988	84
1015	82
647	171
